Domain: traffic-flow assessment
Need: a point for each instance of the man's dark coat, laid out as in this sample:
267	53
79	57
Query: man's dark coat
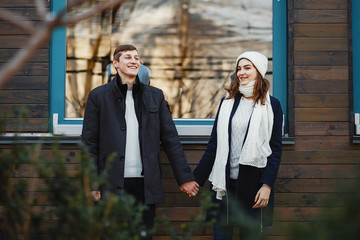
104	132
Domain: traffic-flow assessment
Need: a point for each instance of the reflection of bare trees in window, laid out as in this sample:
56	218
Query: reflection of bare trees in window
77	90
189	45
89	50
184	59
40	34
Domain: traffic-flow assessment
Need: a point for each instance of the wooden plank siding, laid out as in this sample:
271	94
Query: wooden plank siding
319	91
323	154
29	88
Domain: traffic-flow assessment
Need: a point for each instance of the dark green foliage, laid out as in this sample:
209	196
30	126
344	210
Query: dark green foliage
70	212
196	223
337	222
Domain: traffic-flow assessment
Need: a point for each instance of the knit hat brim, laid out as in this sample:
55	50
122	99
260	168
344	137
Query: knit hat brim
258	60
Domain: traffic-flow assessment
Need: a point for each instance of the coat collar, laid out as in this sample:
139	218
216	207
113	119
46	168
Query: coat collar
121	88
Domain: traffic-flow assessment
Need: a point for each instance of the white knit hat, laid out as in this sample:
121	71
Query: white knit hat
259	60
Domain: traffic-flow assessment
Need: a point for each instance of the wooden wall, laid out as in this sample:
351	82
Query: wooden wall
29	89
323	154
319	106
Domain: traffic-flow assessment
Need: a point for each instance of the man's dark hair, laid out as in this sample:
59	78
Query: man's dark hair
122	48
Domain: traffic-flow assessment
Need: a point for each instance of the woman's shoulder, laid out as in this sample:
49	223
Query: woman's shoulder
275	104
274	100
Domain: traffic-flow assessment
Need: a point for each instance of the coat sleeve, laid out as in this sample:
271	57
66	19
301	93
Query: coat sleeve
270	172
204	167
91	128
171	143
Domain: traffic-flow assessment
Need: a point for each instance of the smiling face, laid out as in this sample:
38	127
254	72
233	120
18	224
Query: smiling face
246	72
128	64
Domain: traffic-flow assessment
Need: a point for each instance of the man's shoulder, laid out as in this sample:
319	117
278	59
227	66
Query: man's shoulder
153	90
101	89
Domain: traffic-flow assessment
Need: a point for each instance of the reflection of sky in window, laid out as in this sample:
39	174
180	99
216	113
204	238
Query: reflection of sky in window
218	31
242	19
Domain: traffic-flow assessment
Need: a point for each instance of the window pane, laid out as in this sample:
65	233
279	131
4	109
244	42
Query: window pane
189	45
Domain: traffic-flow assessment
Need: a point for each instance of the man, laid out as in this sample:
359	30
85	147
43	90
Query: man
133	119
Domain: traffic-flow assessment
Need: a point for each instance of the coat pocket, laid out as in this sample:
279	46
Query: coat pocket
153	110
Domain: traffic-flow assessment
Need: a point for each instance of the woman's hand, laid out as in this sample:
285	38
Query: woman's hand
262	197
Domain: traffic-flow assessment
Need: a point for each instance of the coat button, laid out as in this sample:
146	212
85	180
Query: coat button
123	128
122	158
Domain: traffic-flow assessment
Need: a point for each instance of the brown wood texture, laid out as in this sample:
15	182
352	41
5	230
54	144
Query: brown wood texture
316	44
34	69
28	13
311	157
321	114
320	30
319	4
19	3
16	41
320	16
320	87
28	83
28	125
322	128
331	58
321	73
324	143
29	88
41	55
321	100
23	96
31	110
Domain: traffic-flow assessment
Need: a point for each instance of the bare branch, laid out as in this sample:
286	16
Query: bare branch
17	20
93	11
41	8
42	33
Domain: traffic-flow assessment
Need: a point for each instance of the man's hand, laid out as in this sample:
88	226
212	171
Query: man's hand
262	197
96	195
190	188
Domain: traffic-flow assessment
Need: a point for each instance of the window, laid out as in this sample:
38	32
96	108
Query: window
193	115
356	63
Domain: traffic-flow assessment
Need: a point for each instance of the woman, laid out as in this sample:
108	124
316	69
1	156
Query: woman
244	151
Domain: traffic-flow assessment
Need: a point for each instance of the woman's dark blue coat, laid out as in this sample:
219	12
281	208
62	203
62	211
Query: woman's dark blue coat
269	173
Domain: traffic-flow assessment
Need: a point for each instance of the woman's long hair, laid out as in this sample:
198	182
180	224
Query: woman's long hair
261	87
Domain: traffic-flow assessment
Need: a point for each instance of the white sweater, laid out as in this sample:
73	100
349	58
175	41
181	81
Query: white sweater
133	165
239	125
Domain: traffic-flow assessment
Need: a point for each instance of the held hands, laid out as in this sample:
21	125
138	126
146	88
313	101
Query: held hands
96	195
190	188
262	197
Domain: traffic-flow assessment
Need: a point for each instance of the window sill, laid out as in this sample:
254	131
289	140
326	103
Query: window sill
48	138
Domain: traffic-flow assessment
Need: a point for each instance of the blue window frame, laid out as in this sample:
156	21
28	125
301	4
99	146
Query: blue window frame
356	63
200	127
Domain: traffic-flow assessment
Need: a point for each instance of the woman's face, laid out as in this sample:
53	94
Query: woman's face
246	72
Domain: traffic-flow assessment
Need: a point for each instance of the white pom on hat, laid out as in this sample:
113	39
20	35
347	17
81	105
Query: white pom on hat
258	60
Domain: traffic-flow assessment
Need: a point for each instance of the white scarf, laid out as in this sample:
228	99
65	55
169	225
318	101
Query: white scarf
248	89
256	148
